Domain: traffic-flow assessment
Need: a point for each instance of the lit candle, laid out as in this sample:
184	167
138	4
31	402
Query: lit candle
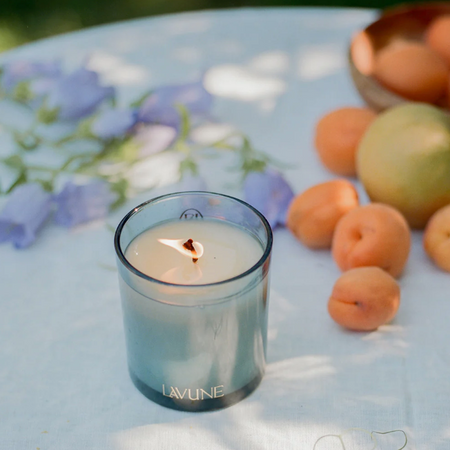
194	298
194	252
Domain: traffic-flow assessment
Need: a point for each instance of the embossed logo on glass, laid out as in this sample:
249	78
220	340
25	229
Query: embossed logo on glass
191	214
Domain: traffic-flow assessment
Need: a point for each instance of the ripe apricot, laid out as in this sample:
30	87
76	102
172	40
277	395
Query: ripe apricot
313	215
364	298
437	36
413	71
436	238
337	137
372	235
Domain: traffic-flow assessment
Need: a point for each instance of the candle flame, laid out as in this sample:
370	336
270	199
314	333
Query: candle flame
179	245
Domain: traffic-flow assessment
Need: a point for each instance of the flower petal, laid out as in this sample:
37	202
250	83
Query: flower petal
269	193
82	203
160	106
24	214
114	123
78	94
16	71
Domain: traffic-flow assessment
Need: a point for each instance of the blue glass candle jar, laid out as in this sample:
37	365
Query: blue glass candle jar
195	332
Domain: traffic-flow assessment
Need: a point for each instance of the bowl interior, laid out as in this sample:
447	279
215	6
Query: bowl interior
394	27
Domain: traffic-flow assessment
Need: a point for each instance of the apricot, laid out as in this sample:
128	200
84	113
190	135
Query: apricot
436	238
372	235
337	137
364	298
413	71
313	215
437	36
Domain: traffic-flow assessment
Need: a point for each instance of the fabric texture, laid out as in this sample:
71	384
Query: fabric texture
63	376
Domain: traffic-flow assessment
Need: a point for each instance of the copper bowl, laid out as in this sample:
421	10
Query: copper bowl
401	23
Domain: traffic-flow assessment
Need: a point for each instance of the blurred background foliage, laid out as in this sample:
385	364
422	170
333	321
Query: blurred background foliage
23	21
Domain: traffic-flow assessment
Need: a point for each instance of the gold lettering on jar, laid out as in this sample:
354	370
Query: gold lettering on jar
203	392
218	392
193	394
179	394
190	398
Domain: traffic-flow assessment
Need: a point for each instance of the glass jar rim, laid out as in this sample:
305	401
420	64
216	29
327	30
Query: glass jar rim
124	261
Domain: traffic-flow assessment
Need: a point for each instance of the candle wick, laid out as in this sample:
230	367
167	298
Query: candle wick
189	245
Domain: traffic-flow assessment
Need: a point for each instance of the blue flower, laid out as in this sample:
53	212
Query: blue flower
160	106
17	71
27	209
77	204
270	194
77	95
114	123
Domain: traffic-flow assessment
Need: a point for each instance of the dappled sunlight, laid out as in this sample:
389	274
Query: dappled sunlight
159	170
270	63
301	368
387	340
273	73
384	331
211	132
184	432
241	83
320	60
284	308
115	70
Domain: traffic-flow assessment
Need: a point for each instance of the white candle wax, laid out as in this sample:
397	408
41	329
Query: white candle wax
223	250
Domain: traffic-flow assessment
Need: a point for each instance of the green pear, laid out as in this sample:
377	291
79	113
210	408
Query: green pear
403	160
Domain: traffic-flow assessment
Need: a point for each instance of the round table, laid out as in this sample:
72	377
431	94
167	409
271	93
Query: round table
63	376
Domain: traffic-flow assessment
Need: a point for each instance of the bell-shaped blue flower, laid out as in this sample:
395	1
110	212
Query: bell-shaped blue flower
77	95
270	194
114	122
77	204
160	106
25	212
15	72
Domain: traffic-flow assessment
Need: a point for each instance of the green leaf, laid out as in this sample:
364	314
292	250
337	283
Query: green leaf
120	188
253	165
185	122
14	162
26	141
22	92
222	145
21	178
188	165
138	103
47	116
84	129
46	184
109	227
115	150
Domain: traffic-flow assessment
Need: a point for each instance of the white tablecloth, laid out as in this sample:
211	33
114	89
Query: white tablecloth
63	376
